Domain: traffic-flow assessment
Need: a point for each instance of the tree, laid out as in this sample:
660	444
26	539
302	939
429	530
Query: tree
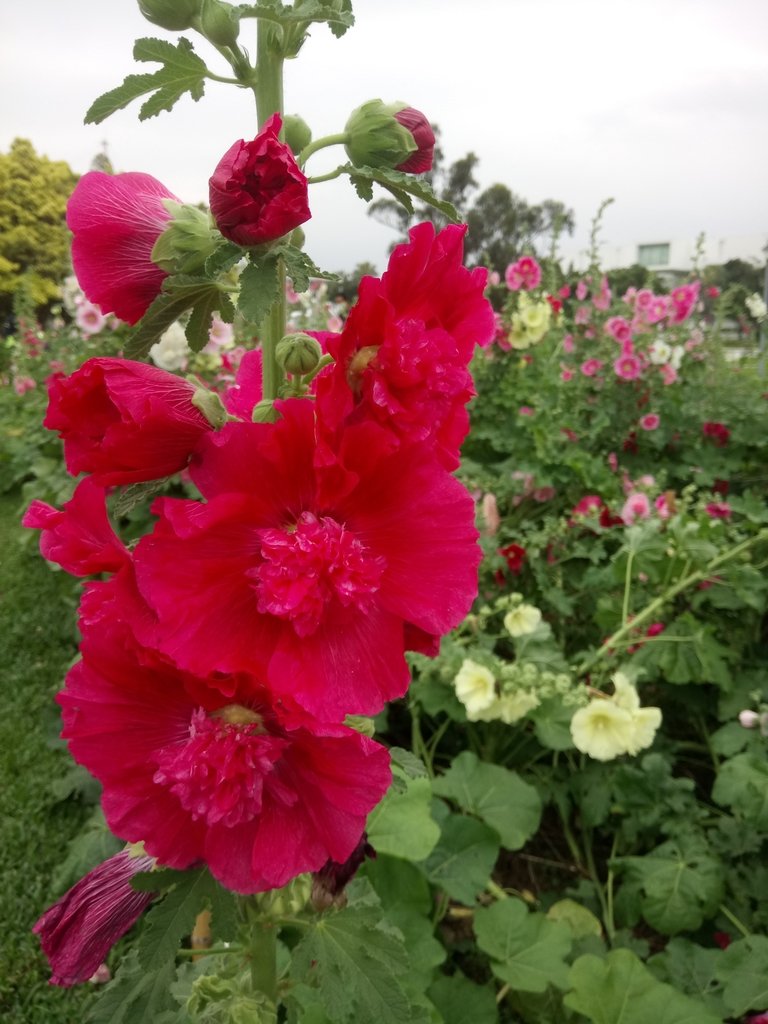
34	241
501	225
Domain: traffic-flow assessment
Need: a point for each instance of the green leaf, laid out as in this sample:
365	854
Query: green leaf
399	184
528	950
692	969
463	859
223	258
199	323
402	824
742	784
621	990
681	881
353	960
137	995
174	917
425	953
580	921
259	288
182	71
461	1001
496	795
180	294
398	882
744	969
299	267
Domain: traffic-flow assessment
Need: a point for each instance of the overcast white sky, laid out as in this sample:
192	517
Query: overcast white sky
662	104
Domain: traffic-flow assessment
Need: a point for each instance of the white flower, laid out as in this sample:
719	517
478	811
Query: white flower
475	688
676	356
756	306
89	318
659	352
522	620
171	352
602	730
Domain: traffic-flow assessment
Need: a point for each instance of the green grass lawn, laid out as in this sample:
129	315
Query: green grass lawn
37	644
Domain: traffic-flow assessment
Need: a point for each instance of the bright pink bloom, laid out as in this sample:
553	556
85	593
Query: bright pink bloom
401	360
717	432
581	291
515	556
215	769
525	274
526	410
589	506
89	318
78	931
683	301
565	292
421	131
79	538
719	510
628	367
116	220
613	461
124	421
655	629
668	374
619	329
566	374
650	421
309	574
635	507
591	367
661	504
257	192
713	291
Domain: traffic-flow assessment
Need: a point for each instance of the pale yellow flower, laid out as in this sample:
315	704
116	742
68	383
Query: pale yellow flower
602	730
523	619
645	721
514	706
475	688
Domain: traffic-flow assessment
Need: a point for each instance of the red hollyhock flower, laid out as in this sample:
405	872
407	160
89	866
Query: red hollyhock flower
310	575
124	421
78	931
402	357
79	538
421	130
215	770
116	220
515	556
718	432
257	192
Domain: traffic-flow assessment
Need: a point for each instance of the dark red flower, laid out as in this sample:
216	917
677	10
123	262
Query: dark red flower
116	220
514	556
257	192
717	432
124	421
78	931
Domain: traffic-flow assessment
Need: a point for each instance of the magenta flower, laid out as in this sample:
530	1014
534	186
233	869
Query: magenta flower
525	274
590	367
116	220
718	510
619	329
78	931
628	366
637	506
650	421
526	410
683	301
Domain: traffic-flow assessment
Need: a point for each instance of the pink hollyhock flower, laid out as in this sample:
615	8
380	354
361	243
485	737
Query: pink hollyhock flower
582	315
717	432
581	291
21	385
124	421
683	301
78	931
662	506
89	318
718	510
635	507
79	538
565	292
220	336
602	300
566	374
401	360
568	344
619	329
215	769
650	421
644	299
668	374
525	274
591	367
116	220
629	295
515	556
628	366
526	410
257	192
311	579
655	629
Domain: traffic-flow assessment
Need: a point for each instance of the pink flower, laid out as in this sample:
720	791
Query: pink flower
683	300
650	421
214	769
312	580
525	274
655	629
79	538
21	385
257	192
628	367
89	318
635	507
542	494
668	374
591	367
116	220
78	931
526	410
719	510
644	299
619	329
589	507
582	315
581	291
568	344
662	506
565	292
602	300
566	374
613	461
124	421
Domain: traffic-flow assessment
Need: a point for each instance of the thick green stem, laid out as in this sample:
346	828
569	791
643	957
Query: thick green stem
627	589
263	946
322	143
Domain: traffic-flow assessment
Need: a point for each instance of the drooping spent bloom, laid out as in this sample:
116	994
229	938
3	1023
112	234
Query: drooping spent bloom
379	134
313	579
215	769
402	358
116	220
124	421
525	273
78	931
257	192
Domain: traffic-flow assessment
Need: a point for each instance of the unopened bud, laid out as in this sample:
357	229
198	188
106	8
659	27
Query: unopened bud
390	135
297	132
298	354
219	22
173	15
749	719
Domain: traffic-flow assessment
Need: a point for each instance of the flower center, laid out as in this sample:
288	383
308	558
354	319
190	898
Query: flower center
307	566
218	772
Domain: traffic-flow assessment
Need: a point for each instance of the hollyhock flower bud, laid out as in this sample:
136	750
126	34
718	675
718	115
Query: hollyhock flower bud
297	132
257	192
219	22
78	931
390	135
173	15
123	421
116	219
298	353
749	719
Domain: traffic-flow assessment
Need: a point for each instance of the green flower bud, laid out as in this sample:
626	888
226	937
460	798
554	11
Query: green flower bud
298	354
219	22
297	132
187	241
173	15
390	135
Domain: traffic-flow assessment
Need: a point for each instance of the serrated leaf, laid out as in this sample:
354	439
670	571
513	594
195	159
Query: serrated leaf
528	950
398	882
398	183
198	326
109	102
461	1001
174	917
402	824
353	961
496	795
413	767
300	267
621	990
742	784
180	295
137	995
259	288
223	258
692	969
744	969
463	859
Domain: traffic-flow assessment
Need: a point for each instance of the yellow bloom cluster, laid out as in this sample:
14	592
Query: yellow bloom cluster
530	322
609	727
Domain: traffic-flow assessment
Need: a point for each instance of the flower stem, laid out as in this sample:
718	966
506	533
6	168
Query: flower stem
627	588
326	177
737	924
327	140
263	947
